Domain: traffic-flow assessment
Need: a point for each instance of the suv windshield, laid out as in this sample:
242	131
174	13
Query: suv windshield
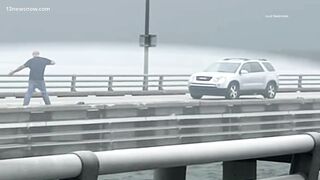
223	67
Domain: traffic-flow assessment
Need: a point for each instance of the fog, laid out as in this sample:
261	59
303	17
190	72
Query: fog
285	27
101	36
104	58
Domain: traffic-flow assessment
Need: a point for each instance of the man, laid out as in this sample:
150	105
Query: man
37	66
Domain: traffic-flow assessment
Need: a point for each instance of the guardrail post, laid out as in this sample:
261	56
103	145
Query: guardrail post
308	164
145	83
110	83
90	166
160	86
73	83
174	173
300	81
240	170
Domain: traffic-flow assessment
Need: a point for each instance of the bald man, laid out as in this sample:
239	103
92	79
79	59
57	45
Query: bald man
37	66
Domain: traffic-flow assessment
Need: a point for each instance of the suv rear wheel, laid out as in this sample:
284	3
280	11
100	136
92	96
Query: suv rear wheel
270	91
233	91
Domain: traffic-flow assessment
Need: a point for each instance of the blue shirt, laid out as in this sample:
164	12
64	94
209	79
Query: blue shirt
37	65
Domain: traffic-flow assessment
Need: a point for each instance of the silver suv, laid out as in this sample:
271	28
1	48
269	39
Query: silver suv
233	77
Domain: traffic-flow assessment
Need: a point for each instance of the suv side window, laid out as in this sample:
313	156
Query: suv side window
256	67
268	66
246	67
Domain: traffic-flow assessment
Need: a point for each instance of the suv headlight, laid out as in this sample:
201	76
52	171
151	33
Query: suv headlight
219	80
222	80
192	78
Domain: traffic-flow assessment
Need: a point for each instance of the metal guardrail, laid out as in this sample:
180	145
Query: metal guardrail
104	85
88	165
299	82
43	130
106	82
44	137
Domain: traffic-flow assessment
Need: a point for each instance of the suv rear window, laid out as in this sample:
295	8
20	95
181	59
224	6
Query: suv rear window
268	66
256	67
252	67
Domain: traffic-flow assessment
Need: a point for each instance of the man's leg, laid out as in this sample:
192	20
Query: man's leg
29	93
43	89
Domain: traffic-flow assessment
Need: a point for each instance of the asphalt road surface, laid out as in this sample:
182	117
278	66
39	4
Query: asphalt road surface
16	102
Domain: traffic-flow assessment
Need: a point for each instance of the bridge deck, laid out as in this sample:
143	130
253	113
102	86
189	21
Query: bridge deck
16	102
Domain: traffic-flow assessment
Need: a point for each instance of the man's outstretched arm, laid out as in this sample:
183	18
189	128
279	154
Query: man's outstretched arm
17	70
49	62
52	62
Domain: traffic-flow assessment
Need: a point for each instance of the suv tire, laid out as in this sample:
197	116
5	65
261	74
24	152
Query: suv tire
233	91
196	96
270	91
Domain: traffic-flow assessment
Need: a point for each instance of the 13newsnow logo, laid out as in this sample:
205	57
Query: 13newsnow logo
27	9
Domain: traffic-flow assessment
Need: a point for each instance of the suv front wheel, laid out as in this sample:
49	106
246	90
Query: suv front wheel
196	96
233	91
270	91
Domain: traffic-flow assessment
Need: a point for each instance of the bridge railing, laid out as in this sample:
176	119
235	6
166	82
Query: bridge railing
113	84
299	82
46	136
170	161
102	82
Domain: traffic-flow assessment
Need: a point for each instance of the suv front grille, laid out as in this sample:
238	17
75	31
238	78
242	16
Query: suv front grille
203	78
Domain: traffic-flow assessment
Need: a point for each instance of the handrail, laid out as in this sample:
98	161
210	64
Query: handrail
39	168
189	154
71	165
288	177
71	83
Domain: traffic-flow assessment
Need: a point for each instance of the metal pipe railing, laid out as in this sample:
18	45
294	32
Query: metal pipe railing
40	168
288	177
71	165
180	155
288	82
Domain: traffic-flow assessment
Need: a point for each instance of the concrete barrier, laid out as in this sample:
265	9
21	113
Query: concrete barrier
35	131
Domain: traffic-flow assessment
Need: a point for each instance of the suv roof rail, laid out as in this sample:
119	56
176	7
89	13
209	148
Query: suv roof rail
262	59
244	59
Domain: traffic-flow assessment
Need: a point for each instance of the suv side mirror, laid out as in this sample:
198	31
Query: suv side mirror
244	71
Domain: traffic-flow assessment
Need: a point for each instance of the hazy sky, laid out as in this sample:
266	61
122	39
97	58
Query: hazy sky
267	25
